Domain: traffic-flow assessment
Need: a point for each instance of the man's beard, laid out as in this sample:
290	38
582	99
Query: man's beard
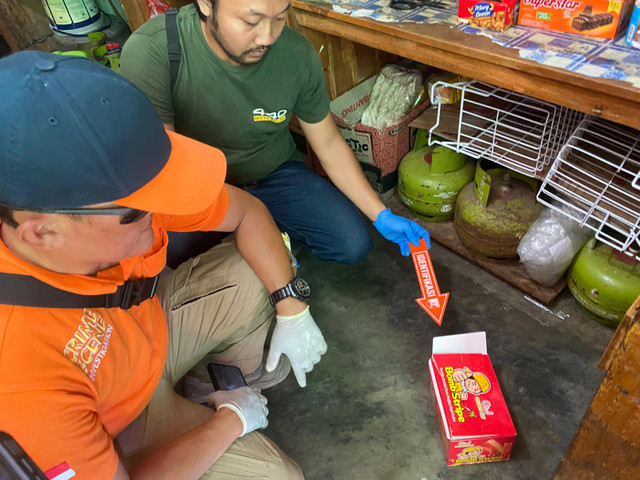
239	59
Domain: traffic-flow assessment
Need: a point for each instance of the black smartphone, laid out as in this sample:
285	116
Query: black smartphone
15	464
225	377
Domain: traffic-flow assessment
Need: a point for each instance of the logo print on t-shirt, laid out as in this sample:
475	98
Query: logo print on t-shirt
89	343
259	115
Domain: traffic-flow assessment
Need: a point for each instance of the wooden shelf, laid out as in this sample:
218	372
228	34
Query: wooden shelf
479	58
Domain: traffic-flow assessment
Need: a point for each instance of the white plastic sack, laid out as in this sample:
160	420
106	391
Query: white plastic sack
548	247
393	96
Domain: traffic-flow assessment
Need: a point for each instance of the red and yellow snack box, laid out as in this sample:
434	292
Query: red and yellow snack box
494	15
595	18
475	424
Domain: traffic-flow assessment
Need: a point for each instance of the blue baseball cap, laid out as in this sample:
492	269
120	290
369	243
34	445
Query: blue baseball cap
73	133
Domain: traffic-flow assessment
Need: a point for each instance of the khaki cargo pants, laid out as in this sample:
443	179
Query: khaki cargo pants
215	305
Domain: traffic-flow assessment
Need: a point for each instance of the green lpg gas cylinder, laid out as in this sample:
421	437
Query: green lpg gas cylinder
493	213
430	178
604	282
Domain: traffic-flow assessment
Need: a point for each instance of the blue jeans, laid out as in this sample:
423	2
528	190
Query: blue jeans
309	208
314	213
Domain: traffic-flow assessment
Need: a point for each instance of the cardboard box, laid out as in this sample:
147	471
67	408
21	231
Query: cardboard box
379	151
475	424
494	15
633	33
595	18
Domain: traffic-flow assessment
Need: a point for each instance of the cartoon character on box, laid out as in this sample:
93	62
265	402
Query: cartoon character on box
466	382
471	453
486	451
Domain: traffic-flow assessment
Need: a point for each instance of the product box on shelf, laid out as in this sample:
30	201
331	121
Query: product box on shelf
494	15
633	34
475	425
379	151
595	18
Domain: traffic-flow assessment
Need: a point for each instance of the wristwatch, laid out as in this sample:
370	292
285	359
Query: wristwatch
296	288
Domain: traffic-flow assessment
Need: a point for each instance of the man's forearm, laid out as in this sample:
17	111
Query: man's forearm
346	174
341	166
190	455
260	243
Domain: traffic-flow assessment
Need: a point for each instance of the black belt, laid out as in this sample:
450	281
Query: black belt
25	291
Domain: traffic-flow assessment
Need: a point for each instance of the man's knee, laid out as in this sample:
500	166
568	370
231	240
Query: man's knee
356	252
254	456
351	251
287	469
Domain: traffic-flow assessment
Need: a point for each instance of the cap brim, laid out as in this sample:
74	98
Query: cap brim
190	181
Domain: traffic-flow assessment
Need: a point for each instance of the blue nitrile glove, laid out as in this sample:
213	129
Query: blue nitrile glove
401	230
300	339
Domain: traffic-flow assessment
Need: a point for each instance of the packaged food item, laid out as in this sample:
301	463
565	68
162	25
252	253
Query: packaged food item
379	150
394	95
157	7
441	93
633	33
494	15
475	424
595	18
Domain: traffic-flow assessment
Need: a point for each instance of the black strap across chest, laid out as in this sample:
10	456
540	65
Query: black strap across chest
173	44
26	291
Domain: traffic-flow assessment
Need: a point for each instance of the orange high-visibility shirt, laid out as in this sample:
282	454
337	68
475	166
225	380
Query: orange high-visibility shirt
72	379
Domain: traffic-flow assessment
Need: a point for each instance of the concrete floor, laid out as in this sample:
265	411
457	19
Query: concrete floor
367	411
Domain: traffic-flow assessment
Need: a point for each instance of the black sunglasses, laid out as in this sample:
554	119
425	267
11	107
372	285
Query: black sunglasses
129	215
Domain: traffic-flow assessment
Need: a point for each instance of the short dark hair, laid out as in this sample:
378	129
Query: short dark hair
6	216
214	6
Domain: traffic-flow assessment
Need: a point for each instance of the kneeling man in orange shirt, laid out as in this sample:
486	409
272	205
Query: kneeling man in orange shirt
93	340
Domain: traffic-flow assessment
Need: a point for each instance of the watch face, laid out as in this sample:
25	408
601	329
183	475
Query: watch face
301	287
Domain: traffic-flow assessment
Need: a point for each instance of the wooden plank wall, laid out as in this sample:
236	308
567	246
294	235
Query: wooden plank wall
607	443
345	63
136	12
25	26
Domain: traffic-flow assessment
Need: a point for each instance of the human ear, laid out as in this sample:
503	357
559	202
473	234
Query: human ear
205	7
40	232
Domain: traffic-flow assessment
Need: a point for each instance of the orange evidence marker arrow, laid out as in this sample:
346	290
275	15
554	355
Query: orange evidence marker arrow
433	302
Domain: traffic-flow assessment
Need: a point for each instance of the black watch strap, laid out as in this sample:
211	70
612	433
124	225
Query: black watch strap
296	288
280	294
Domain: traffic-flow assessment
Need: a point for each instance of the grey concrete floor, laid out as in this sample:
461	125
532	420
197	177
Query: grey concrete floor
367	411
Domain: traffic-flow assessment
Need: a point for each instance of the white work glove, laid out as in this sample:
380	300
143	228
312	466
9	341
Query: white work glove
248	404
299	338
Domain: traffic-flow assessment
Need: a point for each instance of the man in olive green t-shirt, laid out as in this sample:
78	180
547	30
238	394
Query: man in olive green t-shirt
242	75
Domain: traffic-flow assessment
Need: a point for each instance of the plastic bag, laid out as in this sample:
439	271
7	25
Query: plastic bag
394	94
444	93
157	7
548	247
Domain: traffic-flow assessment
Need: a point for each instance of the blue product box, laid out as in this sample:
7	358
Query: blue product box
633	33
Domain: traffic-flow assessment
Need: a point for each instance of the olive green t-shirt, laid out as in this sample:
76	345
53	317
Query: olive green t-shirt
242	110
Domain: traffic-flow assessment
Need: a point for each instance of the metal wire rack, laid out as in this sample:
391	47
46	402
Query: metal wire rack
596	178
514	130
